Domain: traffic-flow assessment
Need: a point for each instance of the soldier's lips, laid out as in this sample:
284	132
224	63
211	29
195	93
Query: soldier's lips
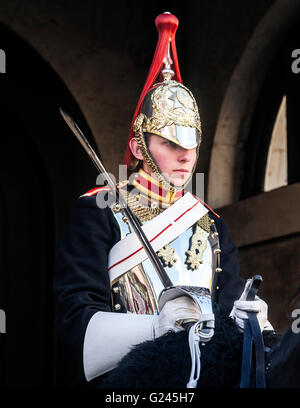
181	171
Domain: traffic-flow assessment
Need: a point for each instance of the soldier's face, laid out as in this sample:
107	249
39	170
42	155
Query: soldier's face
174	162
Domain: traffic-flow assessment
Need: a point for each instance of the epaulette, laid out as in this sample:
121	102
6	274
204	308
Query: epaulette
96	190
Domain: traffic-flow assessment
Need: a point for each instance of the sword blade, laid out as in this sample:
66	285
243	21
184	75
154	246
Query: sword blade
124	207
88	148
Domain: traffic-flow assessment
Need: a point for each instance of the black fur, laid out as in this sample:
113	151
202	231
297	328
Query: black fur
165	362
283	362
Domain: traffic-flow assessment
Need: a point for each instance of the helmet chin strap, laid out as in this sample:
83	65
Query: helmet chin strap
155	168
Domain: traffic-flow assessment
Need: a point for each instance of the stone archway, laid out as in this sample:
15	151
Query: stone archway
264	226
43	170
239	102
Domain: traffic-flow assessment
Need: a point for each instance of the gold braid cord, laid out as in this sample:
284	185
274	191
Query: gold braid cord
143	212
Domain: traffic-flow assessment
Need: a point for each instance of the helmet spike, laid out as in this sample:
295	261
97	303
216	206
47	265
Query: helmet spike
168	72
166	25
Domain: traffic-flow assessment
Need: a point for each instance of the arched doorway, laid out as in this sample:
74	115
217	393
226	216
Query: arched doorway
43	170
264	225
227	162
280	84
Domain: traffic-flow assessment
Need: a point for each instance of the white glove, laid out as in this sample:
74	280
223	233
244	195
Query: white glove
174	313
109	336
242	306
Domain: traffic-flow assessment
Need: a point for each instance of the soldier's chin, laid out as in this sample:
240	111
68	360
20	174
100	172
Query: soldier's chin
179	180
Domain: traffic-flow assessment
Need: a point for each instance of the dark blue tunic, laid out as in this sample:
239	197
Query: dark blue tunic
81	284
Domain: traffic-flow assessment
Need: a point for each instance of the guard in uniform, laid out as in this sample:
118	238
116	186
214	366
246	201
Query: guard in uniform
106	291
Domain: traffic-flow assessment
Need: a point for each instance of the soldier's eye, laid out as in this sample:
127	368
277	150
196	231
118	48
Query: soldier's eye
171	144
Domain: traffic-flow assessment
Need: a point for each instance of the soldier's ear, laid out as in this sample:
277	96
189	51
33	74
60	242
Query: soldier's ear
135	150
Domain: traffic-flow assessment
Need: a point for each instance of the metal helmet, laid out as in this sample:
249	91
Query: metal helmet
167	109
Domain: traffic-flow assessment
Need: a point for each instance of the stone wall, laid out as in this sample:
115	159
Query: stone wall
266	230
102	51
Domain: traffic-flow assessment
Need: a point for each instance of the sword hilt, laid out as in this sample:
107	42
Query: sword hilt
256	281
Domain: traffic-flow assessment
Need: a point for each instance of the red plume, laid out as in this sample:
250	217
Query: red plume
166	25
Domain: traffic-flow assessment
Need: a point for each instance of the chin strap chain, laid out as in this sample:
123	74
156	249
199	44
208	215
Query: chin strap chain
197	334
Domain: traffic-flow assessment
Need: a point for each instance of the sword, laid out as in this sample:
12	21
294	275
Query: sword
134	222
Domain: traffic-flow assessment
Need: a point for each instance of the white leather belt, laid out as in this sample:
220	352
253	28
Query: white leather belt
167	226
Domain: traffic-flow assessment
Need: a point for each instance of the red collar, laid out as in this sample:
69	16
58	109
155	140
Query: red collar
151	188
